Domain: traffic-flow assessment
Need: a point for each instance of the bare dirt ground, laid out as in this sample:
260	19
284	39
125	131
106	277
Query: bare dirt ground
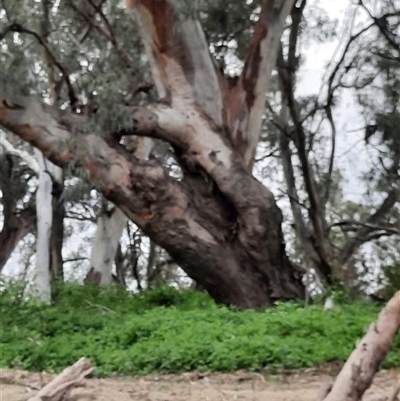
241	386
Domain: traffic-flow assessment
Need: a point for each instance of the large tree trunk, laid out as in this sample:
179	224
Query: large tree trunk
218	222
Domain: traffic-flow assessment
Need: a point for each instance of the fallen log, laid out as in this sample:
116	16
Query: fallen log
359	370
64	382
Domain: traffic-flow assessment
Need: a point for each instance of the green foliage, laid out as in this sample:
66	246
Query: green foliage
165	330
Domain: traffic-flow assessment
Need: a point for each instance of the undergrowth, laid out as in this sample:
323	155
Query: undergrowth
165	330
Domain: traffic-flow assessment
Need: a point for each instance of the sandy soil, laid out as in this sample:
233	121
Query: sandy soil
304	386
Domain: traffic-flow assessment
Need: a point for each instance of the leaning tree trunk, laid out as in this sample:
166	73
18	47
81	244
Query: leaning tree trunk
357	374
218	222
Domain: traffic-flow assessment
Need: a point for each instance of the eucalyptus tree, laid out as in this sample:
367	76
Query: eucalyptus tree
219	223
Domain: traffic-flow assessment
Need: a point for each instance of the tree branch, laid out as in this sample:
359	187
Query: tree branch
179	57
41	126
286	70
341	60
109	34
64	382
141	189
373	227
301	228
380	23
25	156
245	102
71	92
8	28
368	227
325	198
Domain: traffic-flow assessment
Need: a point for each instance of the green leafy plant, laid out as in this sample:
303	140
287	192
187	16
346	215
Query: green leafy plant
165	330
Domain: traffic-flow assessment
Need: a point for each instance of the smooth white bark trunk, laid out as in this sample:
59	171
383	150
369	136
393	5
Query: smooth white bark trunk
110	227
44	221
44	211
108	233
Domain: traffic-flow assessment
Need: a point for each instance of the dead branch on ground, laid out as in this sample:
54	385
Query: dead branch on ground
64	382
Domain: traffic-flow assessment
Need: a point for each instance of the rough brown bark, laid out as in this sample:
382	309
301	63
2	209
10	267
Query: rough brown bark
359	370
218	222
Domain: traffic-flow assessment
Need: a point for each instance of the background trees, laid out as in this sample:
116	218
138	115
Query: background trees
86	58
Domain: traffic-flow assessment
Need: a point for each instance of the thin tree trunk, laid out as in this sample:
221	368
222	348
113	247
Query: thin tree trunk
44	224
120	266
110	226
57	228
151	275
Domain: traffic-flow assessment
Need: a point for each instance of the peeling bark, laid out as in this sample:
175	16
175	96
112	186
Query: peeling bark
245	264
218	222
253	83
